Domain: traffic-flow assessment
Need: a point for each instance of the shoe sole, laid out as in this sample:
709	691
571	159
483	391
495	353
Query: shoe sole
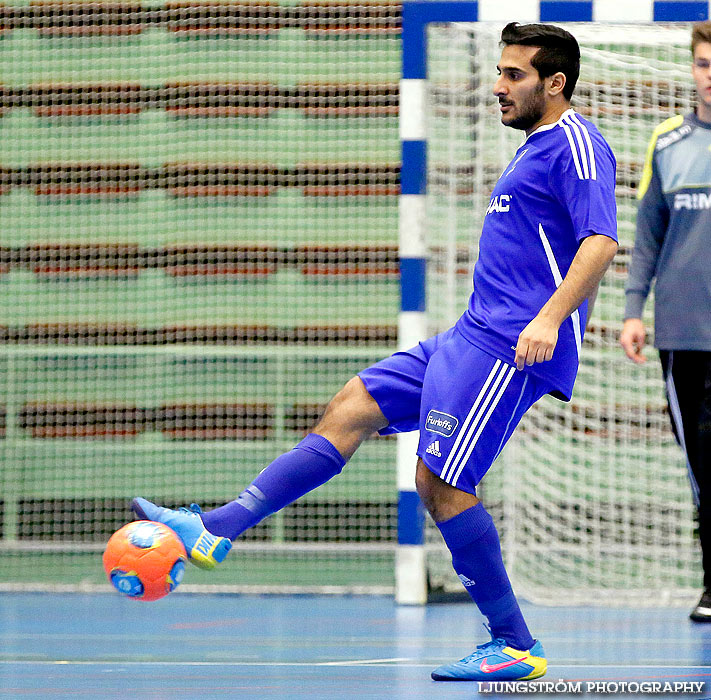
209	550
484	679
538	671
694	617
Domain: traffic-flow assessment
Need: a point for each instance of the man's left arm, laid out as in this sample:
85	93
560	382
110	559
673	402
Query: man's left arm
538	339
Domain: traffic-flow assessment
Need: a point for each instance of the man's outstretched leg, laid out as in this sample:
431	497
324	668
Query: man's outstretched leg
470	535
351	417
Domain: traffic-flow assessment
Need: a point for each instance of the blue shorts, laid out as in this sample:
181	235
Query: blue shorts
465	402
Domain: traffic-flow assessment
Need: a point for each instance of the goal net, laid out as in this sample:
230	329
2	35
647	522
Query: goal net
591	497
199	205
199	208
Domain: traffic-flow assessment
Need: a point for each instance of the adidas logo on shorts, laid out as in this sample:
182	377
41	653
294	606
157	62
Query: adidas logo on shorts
468	583
433	449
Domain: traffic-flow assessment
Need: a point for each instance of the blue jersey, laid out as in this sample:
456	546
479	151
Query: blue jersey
558	189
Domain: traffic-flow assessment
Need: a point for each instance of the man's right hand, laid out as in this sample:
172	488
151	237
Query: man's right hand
632	339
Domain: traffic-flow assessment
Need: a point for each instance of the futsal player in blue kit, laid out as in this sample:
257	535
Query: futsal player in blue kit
548	236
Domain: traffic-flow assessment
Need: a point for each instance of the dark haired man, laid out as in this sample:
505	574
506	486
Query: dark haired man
543	250
672	245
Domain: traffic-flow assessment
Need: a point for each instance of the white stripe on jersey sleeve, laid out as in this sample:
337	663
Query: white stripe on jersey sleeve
582	151
573	150
593	170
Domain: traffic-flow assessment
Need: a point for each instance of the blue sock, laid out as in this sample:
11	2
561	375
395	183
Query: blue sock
311	463
476	556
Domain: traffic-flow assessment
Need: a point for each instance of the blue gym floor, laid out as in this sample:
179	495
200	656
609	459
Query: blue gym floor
332	648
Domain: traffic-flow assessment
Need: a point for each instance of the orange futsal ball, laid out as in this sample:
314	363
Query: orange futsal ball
145	560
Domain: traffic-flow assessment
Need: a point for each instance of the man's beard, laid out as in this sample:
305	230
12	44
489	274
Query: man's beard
530	111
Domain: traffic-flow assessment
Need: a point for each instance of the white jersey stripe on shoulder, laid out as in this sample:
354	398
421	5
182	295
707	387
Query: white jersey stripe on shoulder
574	151
581	146
465	425
482	424
588	140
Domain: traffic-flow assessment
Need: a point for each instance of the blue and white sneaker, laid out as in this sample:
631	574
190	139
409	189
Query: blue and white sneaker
494	661
204	549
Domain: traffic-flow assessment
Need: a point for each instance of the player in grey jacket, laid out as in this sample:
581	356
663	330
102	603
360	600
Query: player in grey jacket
673	246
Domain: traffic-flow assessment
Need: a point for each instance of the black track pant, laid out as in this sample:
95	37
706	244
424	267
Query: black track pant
687	374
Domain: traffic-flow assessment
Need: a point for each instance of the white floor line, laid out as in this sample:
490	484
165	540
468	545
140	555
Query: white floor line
361	662
346	662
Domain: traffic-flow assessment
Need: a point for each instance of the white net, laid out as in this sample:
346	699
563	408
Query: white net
199	208
591	498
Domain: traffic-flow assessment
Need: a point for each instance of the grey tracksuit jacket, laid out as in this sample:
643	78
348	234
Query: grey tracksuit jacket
673	239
